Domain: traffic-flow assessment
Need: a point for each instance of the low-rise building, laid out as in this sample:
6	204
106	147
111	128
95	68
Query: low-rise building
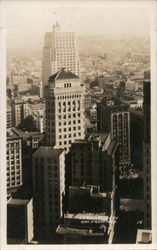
20	221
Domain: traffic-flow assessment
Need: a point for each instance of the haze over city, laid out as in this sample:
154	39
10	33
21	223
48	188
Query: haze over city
27	21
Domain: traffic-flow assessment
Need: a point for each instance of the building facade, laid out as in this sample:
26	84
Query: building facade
9	117
60	51
14	162
20	111
147	151
64	109
49	188
114	117
20	221
136	137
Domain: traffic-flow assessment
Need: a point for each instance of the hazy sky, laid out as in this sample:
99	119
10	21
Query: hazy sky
27	21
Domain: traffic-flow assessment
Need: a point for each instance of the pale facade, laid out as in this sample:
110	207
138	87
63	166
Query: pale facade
60	50
14	162
64	109
20	111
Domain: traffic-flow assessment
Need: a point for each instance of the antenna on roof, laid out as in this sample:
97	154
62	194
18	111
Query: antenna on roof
56	27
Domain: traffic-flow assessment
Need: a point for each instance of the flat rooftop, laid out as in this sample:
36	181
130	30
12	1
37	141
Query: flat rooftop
18	202
88	217
48	151
78	231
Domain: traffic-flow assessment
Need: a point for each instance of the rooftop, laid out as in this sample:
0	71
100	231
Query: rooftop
138	112
144	236
93	137
62	74
48	150
111	147
147	75
26	134
18	202
88	217
12	135
75	230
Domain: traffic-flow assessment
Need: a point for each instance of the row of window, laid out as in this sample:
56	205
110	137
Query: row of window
13	144
68	97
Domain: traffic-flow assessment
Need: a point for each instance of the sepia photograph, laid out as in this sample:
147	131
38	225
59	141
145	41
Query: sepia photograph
78	138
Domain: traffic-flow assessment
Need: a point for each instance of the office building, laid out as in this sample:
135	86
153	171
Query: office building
147	151
114	117
60	51
93	162
14	162
20	111
64	109
20	221
136	137
49	188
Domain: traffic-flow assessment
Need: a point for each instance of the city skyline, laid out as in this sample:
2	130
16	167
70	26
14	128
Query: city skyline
78	122
110	19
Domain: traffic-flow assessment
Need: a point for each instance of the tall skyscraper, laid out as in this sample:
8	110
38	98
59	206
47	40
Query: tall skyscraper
147	151
114	117
64	109
60	50
49	188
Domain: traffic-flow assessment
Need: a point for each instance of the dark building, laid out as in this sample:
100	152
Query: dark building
147	151
19	221
136	137
49	190
93	161
91	217
89	199
114	117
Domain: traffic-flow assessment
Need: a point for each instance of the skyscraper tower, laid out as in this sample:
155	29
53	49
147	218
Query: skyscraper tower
64	109
60	50
147	151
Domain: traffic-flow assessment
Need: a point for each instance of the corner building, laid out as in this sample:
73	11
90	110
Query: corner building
64	109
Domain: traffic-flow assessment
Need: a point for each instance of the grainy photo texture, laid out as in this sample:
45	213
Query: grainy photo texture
78	94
